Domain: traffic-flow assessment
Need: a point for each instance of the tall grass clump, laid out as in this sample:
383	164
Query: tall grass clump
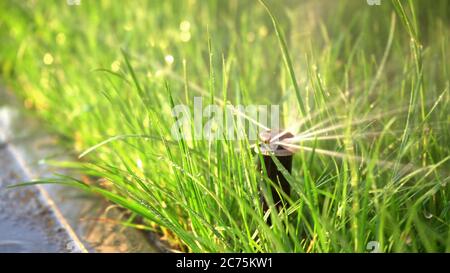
364	88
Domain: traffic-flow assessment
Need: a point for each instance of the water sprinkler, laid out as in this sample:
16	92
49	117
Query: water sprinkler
284	156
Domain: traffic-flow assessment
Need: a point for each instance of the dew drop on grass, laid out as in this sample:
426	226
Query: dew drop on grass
48	59
185	26
262	31
159	73
60	38
139	164
163	44
427	215
128	27
115	66
169	59
185	36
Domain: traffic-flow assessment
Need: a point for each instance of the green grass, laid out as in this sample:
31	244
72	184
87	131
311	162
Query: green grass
372	82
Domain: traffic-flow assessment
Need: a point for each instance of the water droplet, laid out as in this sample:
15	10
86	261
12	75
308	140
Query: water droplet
262	31
128	27
60	38
185	26
185	36
159	73
139	164
48	59
427	215
169	59
115	66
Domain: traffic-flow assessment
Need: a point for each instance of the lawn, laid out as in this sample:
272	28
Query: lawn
364	89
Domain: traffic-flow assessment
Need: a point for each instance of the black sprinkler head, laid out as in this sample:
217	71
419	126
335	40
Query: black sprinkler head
266	148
